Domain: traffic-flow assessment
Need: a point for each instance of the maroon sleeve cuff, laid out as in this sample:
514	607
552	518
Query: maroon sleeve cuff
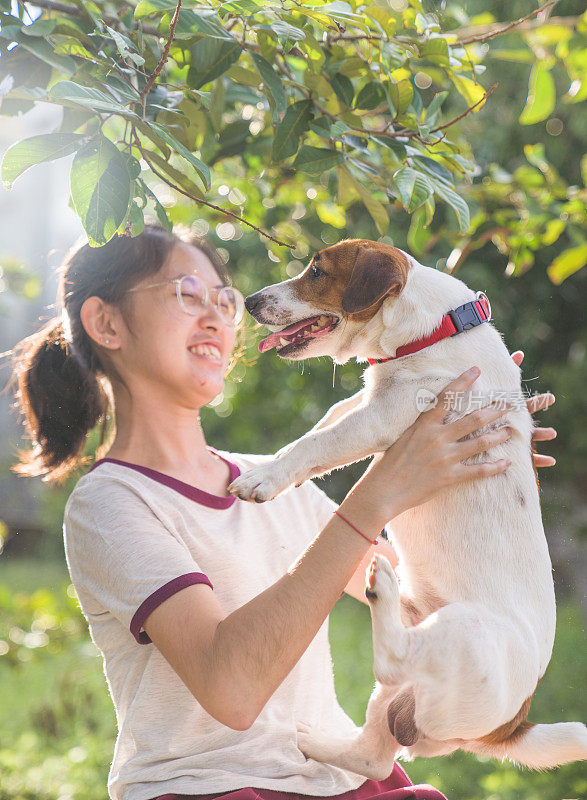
155	599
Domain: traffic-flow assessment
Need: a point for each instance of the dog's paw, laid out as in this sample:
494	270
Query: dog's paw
260	483
310	742
381	581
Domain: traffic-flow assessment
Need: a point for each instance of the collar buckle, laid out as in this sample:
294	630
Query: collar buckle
470	314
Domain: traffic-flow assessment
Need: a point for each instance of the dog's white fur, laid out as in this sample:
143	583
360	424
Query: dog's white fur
474	562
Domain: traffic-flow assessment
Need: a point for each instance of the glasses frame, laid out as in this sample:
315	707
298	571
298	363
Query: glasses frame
240	305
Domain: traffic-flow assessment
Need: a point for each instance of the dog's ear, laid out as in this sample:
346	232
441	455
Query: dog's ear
377	273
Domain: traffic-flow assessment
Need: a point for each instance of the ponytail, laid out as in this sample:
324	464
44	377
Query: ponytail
61	400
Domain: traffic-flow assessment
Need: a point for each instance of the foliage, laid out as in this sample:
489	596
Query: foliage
351	96
58	744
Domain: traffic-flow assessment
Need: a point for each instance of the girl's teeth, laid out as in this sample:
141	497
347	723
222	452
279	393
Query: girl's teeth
283	341
206	350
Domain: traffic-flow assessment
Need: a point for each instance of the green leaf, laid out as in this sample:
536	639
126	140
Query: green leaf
370	96
125	47
547	35
28	152
287	136
541	96
436	51
179	178
418	236
316	160
343	88
321	126
414	188
433	110
210	58
456	202
133	166
73	47
159	209
272	83
401	94
287	32
201	168
242	6
553	230
134	220
42	49
41	27
374	207
146	7
471	91
69	92
522	55
203	21
567	263
398	148
434	169
100	189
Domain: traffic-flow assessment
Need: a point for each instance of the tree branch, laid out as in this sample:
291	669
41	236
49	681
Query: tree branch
468	111
199	200
497	30
153	77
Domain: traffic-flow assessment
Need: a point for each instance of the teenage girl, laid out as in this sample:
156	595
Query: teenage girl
211	614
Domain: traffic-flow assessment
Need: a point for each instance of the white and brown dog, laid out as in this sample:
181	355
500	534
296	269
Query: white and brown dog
458	653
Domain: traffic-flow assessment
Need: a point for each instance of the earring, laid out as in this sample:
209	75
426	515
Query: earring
106	341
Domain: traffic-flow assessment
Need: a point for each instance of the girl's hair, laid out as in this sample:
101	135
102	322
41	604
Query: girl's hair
63	381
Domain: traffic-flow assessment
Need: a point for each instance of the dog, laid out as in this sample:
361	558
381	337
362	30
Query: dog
459	652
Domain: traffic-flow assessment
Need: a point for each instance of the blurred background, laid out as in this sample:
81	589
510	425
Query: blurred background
57	725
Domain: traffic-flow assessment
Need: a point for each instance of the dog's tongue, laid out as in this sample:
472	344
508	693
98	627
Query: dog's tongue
272	340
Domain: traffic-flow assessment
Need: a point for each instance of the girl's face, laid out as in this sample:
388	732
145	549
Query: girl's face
173	353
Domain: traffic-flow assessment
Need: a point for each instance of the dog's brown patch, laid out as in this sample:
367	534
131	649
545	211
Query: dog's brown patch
414	611
512	730
359	275
401	718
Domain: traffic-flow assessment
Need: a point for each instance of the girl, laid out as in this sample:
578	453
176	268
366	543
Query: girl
211	614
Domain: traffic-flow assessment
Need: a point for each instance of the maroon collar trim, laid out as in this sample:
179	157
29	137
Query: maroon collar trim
186	489
460	319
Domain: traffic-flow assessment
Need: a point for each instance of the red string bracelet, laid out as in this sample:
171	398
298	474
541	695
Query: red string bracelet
338	514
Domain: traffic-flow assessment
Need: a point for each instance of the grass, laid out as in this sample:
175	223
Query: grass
57	723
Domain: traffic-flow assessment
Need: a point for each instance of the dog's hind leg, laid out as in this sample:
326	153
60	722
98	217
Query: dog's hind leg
369	752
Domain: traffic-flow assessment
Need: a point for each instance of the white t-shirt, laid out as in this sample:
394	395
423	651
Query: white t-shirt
133	537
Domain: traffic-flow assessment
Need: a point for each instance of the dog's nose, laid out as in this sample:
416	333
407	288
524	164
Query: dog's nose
252	302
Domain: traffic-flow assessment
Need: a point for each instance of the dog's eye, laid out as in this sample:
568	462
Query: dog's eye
316	272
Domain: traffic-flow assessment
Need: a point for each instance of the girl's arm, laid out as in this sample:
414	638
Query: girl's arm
233	663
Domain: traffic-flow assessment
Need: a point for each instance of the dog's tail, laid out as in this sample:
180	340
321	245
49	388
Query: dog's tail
538	746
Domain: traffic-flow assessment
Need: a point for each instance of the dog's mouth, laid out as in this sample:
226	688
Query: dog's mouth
298	334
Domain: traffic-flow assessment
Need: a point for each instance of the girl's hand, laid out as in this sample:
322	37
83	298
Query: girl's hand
428	456
535	404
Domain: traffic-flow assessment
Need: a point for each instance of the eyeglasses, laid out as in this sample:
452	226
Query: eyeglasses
193	295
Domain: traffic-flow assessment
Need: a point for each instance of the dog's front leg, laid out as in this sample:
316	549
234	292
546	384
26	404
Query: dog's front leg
359	434
338	410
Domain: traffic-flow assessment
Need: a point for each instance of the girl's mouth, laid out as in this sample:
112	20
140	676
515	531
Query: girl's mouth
208	351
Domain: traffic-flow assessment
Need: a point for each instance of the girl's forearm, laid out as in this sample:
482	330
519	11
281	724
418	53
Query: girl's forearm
257	646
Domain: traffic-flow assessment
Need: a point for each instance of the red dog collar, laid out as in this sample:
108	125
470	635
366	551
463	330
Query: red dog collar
456	321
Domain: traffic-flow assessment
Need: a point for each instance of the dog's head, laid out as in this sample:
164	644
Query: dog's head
342	288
